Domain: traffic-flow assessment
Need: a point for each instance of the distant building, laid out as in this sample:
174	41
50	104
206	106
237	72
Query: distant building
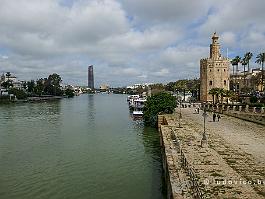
91	77
250	80
214	71
13	79
8	77
135	86
104	87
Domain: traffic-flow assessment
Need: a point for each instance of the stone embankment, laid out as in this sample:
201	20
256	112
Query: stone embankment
221	170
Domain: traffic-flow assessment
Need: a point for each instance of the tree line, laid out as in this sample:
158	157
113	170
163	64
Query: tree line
42	87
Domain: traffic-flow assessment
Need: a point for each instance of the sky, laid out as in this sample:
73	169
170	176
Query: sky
127	41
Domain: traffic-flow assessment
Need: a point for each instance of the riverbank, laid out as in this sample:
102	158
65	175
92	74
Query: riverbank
32	99
196	172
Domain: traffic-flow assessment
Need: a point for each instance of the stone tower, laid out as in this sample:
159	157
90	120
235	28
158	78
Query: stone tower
214	71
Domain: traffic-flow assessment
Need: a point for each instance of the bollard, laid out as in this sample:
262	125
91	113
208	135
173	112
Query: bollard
240	108
227	108
254	109
234	108
262	110
247	106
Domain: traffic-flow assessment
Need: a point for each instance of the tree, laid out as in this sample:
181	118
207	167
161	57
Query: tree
30	86
20	94
244	62
170	86
248	57
222	93
236	61
7	84
39	88
260	59
228	94
213	92
69	92
52	85
159	103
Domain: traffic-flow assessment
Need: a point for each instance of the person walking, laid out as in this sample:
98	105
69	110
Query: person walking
218	117
198	110
214	117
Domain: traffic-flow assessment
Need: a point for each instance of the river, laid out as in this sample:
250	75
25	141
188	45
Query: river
84	147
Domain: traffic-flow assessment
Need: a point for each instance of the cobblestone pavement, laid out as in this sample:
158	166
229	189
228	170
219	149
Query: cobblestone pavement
241	144
246	136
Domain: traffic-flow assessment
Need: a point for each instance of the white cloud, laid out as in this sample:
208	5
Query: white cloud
229	39
126	41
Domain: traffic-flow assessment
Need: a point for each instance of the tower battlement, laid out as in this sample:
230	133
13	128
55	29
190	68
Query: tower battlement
214	70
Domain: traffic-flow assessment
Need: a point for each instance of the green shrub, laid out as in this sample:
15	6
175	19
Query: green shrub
159	103
20	94
253	99
69	92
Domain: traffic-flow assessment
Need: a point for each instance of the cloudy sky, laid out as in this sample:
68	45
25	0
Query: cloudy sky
127	41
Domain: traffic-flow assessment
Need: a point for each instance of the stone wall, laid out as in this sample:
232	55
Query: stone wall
252	114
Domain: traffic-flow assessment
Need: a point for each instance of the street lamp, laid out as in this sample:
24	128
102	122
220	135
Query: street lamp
180	115
204	138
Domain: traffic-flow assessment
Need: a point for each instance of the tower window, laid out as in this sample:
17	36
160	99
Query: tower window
218	70
211	83
210	70
224	70
225	82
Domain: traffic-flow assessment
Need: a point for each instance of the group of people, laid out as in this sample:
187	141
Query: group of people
216	116
197	110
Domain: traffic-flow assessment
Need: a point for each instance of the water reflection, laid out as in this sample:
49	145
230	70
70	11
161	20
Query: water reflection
91	105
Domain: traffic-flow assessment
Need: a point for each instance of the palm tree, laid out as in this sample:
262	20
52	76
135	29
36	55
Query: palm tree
244	62
222	92
228	94
261	59
234	63
248	57
213	92
237	60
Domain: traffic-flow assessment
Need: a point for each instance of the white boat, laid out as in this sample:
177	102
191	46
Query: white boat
138	113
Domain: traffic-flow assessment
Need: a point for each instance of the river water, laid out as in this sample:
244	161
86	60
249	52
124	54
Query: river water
85	147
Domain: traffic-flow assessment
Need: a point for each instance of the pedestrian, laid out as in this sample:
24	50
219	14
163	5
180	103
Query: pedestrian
218	117
214	116
198	110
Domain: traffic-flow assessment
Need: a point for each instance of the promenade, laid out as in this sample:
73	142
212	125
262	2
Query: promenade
232	166
245	136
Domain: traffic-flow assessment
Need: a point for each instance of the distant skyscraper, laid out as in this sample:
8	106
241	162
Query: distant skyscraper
90	77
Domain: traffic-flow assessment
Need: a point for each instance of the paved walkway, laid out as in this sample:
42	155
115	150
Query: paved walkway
246	136
239	143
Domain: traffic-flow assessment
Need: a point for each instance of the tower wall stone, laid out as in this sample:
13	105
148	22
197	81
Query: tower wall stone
214	71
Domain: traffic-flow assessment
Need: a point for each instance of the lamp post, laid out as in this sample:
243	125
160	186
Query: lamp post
204	138
180	115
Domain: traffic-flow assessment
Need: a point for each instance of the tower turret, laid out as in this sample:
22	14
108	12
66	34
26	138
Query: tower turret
215	47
